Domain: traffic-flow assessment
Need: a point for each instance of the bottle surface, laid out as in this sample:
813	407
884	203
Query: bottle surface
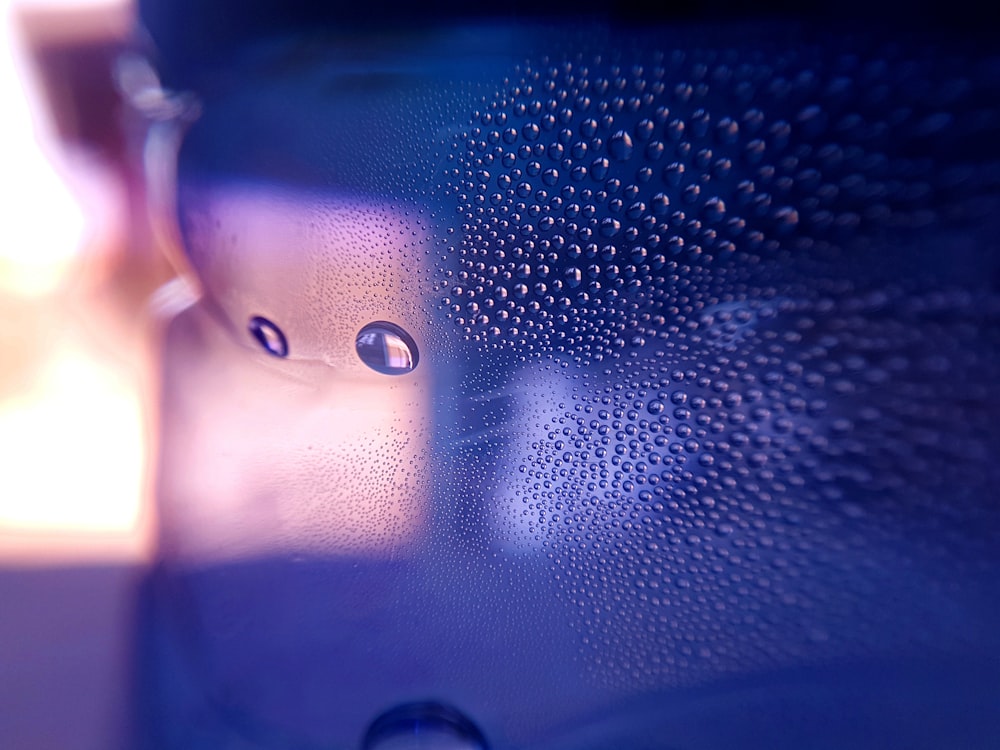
583	388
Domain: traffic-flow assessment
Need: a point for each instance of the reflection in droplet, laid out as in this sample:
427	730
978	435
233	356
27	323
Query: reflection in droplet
423	726
386	348
620	146
269	336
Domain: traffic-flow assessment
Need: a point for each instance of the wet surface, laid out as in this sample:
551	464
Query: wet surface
703	420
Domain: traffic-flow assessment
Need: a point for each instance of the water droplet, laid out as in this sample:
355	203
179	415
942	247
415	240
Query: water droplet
787	218
654	150
423	726
599	168
644	130
610	227
675	129
620	146
727	130
269	336
715	209
673	173
386	348
660	204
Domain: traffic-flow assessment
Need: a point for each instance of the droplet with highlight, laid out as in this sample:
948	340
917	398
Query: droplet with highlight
386	348
620	146
269	336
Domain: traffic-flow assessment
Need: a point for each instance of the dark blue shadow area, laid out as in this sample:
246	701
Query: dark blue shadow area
193	37
327	644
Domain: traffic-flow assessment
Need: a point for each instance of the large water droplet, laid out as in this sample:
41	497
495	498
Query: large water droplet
269	336
423	726
386	348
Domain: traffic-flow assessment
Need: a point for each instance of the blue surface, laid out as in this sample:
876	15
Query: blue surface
711	446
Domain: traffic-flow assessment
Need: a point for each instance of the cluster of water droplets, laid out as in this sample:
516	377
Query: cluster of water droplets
703	341
593	192
745	512
766	394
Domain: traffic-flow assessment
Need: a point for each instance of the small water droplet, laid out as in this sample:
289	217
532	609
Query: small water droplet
599	168
620	146
386	348
715	209
269	336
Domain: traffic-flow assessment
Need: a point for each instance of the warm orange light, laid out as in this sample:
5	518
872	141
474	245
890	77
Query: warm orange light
72	437
72	448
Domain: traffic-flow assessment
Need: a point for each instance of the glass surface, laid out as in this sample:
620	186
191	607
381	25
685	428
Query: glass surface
600	388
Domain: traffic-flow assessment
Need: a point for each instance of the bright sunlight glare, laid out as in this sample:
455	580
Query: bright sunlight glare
72	440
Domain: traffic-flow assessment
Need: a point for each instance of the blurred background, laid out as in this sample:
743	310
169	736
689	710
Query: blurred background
79	266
